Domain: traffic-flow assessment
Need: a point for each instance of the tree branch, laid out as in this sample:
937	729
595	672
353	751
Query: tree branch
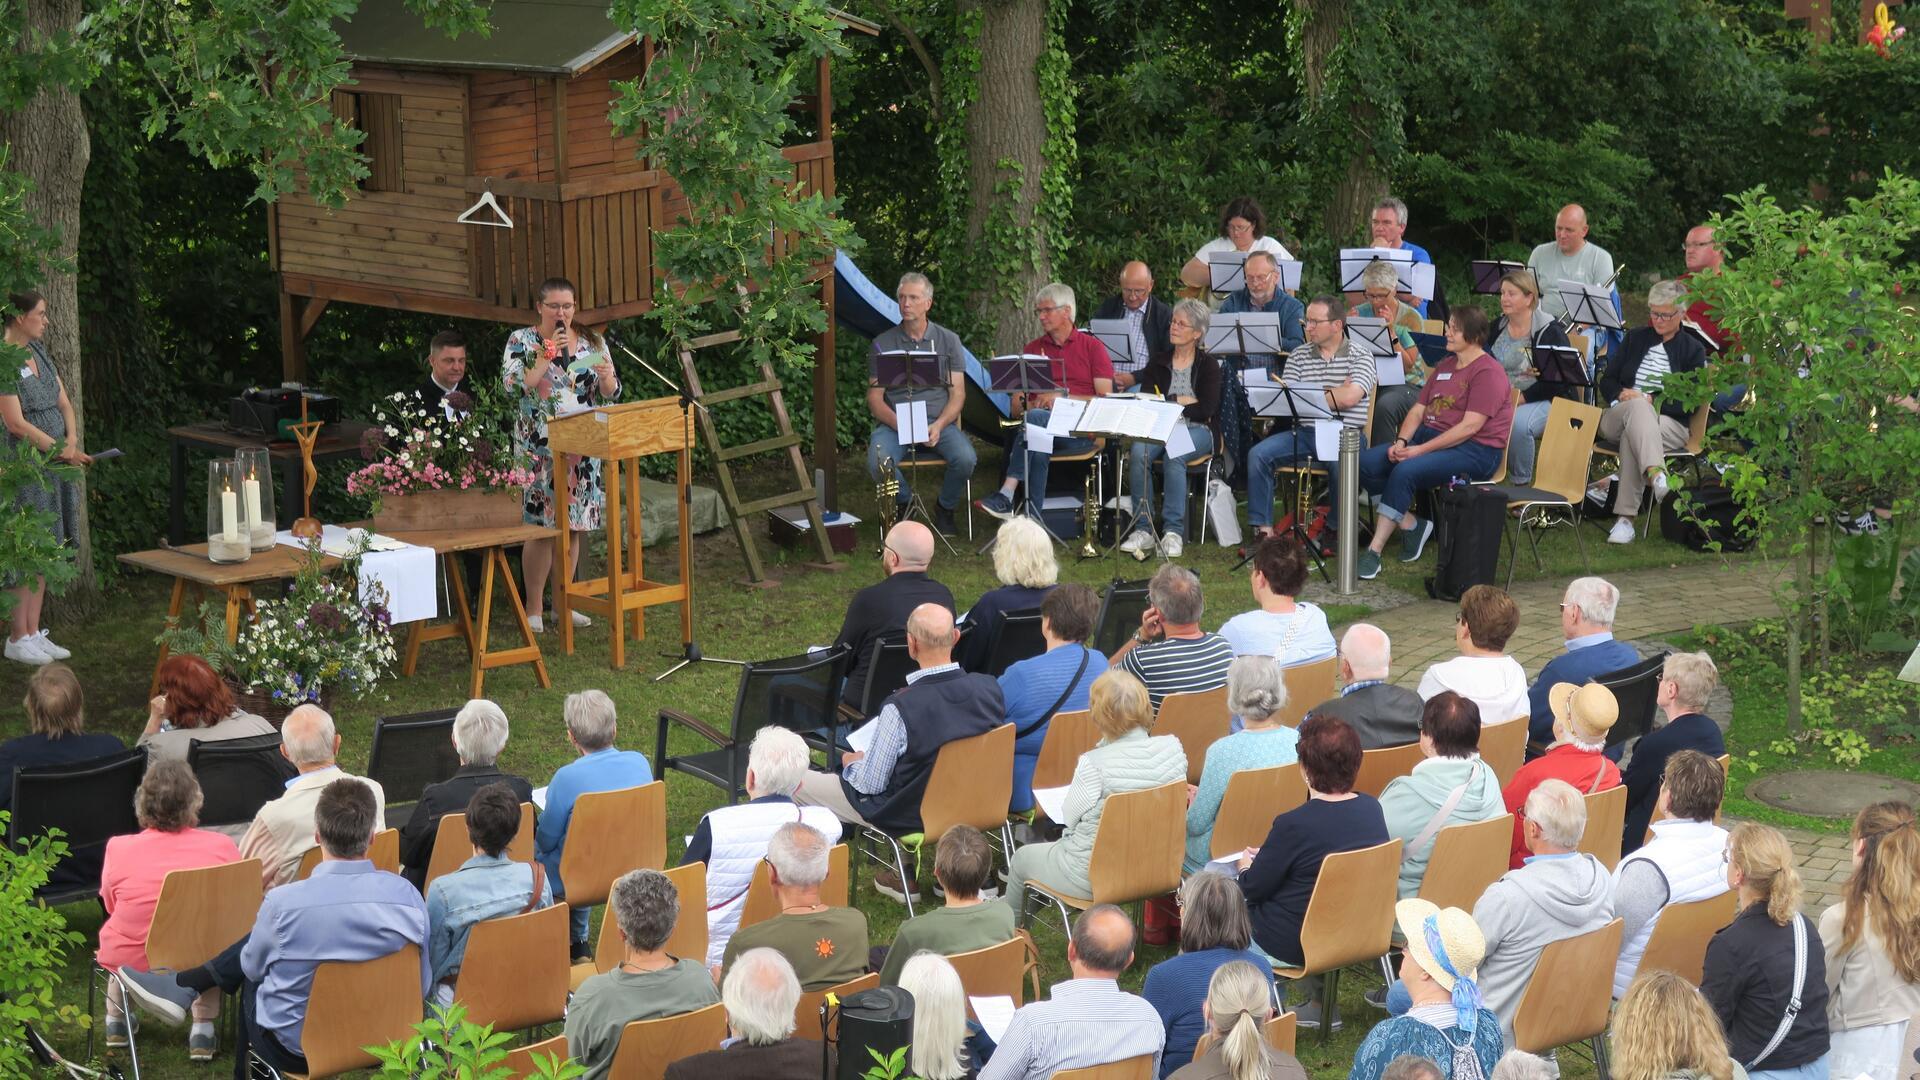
919	47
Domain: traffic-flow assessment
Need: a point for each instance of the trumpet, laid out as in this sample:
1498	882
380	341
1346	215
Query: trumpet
887	492
1089	549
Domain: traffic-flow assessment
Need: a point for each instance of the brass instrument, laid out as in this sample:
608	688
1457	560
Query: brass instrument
1088	549
887	491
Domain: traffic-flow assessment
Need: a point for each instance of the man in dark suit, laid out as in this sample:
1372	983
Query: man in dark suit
881	609
446	368
761	994
1147	317
1381	713
479	734
1686	682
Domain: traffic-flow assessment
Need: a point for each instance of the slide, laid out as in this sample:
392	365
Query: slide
867	310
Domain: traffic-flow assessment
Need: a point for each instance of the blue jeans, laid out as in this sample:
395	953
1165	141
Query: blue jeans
954	447
1529	423
1812	1070
1035	463
1173	472
1279	450
1393	486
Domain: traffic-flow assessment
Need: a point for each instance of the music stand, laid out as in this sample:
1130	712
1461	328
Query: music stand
913	370
1589	304
1371	336
1304	404
1560	365
1227	271
1433	348
1113	334
1354	262
1026	374
1244	333
1488	272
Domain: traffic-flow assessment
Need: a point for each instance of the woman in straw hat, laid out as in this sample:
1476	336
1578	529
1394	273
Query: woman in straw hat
1582	716
1447	1023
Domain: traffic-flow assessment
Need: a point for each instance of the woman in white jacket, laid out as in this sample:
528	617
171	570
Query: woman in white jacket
1872	940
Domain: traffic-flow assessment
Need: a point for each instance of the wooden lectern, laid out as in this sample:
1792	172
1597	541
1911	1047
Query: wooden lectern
616	434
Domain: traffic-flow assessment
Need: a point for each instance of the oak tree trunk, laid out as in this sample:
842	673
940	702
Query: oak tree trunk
48	140
1008	124
1350	127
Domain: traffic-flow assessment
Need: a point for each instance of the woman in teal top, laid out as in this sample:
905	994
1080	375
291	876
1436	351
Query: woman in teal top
1255	693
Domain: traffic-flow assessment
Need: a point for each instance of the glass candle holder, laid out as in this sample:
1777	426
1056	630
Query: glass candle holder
227	539
256	494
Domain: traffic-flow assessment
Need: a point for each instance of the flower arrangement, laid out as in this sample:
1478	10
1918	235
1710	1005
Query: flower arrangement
416	447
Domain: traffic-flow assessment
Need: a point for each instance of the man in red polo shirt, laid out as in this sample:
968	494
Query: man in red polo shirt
1703	256
1088	374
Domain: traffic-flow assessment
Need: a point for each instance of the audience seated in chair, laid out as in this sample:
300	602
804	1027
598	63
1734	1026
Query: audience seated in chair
761	994
486	886
1086	372
1445	1023
1024	564
1256	694
1685	860
732	840
1582	716
647	984
282	831
193	705
1290	630
1214	932
1645	424
1087	1020
1749	979
1126	759
1586	622
1663	1030
1056	681
1483	671
592	726
826	946
1330	372
1451	786
1381	713
1278	878
479	734
55	735
881	609
946	440
1238	1004
168	807
1686	682
1520	329
347	911
940	703
1170	654
1872	942
941	1046
963	865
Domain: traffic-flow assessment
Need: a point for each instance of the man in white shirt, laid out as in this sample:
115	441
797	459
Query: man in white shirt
1088	1020
1569	257
282	830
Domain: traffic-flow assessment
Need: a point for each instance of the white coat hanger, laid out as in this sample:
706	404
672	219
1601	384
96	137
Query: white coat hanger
486	202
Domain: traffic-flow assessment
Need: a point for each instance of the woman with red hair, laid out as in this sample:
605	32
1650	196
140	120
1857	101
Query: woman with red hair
193	704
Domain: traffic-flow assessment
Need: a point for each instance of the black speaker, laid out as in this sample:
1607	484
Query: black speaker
877	1021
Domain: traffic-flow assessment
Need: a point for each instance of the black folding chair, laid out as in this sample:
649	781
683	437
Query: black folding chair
797	692
888	666
1120	610
238	776
1637	689
408	753
90	802
1013	637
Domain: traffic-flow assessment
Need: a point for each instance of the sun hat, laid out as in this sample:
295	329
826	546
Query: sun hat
1589	711
1459	937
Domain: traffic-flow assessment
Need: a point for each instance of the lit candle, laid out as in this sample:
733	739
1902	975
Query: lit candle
252	488
229	515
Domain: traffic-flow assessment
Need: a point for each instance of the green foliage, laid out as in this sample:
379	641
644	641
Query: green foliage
27	545
887	1067
1851	708
448	1046
1849	119
1505	186
37	941
1865	608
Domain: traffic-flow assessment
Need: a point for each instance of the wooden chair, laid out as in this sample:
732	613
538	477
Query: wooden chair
997	970
1465	860
1379	767
1606	822
1500	471
1567	999
515	973
689	937
1308	685
610	833
1069	734
1254	798
647	1047
806	1015
759	906
354	1005
1136	851
1559	481
1198	720
520	1062
452	847
971	784
1504	747
1680	935
1281	1032
384	851
1133	1068
1349	918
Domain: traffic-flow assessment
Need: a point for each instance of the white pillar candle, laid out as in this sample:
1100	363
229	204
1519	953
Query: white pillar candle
229	516
252	488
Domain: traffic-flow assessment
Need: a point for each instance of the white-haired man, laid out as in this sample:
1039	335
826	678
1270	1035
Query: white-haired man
915	333
591	727
282	829
761	994
1587	610
1087	372
1644	423
1388	226
1381	713
826	945
732	840
479	734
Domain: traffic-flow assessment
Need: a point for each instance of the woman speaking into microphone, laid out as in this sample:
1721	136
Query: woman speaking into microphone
557	368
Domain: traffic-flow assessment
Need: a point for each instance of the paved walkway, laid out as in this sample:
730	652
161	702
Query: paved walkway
1825	863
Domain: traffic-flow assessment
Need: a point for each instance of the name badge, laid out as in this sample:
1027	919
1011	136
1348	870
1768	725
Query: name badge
26	372
1442	376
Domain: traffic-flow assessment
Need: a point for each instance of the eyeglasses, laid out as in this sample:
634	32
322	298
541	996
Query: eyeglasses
1311	321
1046	310
1674	314
1262	279
558	307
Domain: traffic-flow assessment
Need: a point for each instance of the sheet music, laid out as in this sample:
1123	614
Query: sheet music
1180	442
1227	271
860	739
994	1013
912	418
1138	418
1064	415
1389	371
1354	262
1290	273
909	359
1052	802
1227	865
1039	439
1589	304
1306	402
1420	279
1326	439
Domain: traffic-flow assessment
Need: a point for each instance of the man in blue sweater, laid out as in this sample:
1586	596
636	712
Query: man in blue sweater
1586	621
591	727
1686	681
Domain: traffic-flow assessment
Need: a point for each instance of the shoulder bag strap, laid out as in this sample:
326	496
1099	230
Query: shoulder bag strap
539	880
1439	818
1793	999
1073	683
1599	773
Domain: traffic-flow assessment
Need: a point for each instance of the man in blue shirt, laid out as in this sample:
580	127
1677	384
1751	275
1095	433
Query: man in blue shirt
591	727
1686	682
1389	227
1586	621
1263	293
347	911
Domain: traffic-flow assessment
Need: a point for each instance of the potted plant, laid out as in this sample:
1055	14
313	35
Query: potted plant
435	467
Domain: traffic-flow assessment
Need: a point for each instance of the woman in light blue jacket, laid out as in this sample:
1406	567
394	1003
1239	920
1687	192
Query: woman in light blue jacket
1256	693
1450	737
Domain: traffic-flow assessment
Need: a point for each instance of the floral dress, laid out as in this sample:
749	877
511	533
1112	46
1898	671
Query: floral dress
579	390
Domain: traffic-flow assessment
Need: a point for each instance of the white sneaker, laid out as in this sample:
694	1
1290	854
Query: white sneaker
27	650
1172	544
580	620
1622	532
1660	488
536	624
1137	544
47	646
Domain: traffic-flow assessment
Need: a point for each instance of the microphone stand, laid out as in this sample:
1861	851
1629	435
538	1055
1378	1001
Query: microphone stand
690	653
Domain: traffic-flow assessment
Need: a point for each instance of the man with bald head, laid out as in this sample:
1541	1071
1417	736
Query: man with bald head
940	703
1381	713
1704	258
1147	316
1570	258
282	830
880	610
1088	1020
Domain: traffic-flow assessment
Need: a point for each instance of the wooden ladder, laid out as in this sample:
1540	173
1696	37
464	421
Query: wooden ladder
739	513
